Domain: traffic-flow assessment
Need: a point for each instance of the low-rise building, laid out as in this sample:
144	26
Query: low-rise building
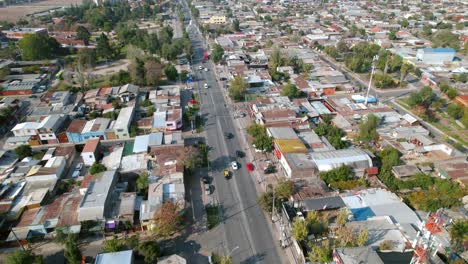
355	158
121	125
437	56
91	153
19	33
120	257
96	203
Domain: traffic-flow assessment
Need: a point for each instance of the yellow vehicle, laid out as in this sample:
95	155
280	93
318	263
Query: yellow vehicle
226	174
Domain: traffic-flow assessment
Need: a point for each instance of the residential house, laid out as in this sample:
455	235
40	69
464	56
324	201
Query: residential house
81	130
121	125
96	203
91	152
119	257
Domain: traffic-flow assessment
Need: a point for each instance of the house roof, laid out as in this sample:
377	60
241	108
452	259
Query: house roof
291	145
358	255
120	257
325	203
91	145
76	126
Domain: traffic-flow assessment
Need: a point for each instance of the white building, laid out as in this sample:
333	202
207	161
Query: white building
436	56
90	152
329	160
122	124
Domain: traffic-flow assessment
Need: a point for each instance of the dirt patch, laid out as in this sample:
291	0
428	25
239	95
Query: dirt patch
15	12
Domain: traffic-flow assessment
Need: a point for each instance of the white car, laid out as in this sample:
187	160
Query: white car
206	69
205	85
200	67
234	165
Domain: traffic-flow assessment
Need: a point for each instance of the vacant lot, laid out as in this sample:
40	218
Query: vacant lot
13	13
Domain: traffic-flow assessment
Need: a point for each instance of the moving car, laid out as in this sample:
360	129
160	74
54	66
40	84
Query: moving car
207	189
240	154
250	166
226	174
228	135
205	85
206	69
200	67
206	180
234	165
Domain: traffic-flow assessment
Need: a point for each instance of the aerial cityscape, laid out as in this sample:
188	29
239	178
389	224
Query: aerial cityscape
234	131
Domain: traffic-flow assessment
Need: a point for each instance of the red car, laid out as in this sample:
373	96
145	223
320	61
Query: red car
250	166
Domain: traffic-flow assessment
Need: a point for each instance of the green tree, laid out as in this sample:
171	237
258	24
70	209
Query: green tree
87	57
291	91
23	257
384	81
392	35
284	189
342	217
403	23
97	168
103	48
452	93
459	233
72	251
445	38
142	182
83	34
321	253
368	128
217	53
299	229
341	173
238	88
261	139
455	111
236	25
137	71
23	151
150	251
171	72
362	238
113	245
38	47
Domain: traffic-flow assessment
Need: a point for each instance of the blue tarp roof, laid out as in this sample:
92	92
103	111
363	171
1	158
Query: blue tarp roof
361	214
439	50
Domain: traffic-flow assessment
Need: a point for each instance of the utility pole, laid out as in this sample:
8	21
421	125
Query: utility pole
273	209
17	240
376	57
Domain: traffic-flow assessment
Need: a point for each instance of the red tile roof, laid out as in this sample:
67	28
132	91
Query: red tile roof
91	145
76	126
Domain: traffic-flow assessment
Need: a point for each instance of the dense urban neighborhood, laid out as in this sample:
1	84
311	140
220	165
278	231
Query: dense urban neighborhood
234	131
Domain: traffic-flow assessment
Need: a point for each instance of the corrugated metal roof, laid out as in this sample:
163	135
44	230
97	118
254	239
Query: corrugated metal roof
291	146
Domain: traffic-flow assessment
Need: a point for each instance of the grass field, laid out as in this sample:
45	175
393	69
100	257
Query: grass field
15	12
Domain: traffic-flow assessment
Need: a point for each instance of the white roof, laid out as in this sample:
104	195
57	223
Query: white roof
120	257
98	190
26	125
124	118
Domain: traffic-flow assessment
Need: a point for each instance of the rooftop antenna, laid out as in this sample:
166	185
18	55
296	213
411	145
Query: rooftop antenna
376	57
424	244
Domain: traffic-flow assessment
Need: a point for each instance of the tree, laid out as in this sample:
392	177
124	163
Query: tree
72	252
150	250
236	25
103	48
299	229
341	173
97	168
153	72
455	111
261	139
137	71
362	238
23	257
167	219
217	53
320	253
87	57
238	88
171	72
23	151
113	245
276	59
459	232
220	259
384	81
142	182
368	128
342	217
291	91
284	189
392	35
445	38
38	47
452	93
403	22
83	34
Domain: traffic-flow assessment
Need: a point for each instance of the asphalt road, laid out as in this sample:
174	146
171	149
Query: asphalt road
247	236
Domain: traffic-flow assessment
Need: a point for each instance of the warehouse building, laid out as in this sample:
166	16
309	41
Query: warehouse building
355	158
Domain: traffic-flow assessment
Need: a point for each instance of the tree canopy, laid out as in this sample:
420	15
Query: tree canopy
38	47
368	128
261	139
238	88
217	53
167	219
291	91
23	151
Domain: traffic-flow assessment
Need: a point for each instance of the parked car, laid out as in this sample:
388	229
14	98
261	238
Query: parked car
200	67
206	86
206	69
228	135
269	169
234	165
250	166
206	180
240	154
76	174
